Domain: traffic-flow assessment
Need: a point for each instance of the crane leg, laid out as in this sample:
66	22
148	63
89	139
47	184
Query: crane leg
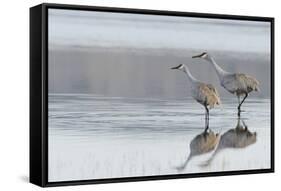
206	119
238	108
208	116
240	104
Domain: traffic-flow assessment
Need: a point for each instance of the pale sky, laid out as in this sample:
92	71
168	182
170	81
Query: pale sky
89	28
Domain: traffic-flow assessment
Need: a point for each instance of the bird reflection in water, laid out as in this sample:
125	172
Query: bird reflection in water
237	138
203	143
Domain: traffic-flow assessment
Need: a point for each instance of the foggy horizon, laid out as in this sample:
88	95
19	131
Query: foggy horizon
153	31
130	55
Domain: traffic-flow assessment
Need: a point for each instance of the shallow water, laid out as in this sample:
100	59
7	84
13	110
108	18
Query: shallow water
92	136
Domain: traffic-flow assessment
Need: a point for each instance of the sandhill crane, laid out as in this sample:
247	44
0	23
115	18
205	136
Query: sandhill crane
238	137
205	94
201	144
236	83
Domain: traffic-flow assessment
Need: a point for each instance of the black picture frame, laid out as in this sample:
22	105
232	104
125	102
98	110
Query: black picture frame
39	92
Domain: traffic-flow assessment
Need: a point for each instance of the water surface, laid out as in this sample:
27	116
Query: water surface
92	136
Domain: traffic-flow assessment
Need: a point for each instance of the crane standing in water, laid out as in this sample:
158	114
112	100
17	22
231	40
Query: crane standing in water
205	94
235	83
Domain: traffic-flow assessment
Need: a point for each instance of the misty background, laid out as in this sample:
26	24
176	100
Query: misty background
130	55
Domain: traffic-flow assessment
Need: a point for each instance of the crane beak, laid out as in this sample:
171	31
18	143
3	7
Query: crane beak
199	55
177	67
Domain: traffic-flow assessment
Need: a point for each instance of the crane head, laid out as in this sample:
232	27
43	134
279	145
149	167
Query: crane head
202	55
179	67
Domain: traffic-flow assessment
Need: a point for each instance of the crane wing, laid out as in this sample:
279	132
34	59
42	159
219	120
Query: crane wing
206	95
250	82
229	82
240	83
213	89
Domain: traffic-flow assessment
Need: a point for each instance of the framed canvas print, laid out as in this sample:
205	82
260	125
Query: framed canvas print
128	94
